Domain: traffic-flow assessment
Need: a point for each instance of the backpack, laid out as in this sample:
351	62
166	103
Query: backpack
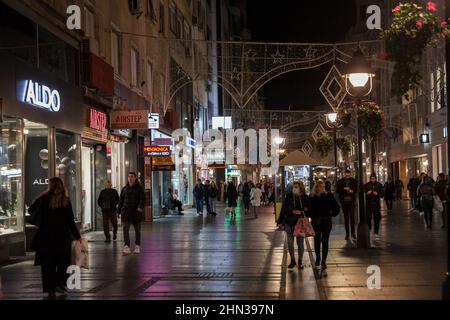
426	192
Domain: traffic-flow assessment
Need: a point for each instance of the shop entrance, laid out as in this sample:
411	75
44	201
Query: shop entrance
88	192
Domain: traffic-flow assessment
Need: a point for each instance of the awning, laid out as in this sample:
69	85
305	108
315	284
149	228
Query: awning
298	158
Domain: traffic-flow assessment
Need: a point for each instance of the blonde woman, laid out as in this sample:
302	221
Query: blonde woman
323	206
295	206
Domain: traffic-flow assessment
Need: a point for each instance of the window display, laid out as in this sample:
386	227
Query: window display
11	198
68	154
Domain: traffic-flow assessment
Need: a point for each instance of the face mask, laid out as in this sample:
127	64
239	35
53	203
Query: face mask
296	191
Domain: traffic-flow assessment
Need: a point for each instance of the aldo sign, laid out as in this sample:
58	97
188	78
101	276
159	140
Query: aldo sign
41	96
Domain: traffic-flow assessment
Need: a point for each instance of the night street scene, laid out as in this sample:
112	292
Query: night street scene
241	153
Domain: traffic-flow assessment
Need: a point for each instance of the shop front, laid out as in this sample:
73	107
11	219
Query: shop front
41	122
94	166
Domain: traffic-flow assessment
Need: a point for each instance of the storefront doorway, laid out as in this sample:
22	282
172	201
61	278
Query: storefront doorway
88	192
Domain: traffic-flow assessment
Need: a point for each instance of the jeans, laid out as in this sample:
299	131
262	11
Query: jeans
322	228
199	205
413	202
373	210
126	232
109	215
212	205
53	270
388	203
349	216
290	240
427	206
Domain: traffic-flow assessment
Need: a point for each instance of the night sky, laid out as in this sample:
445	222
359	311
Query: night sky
299	21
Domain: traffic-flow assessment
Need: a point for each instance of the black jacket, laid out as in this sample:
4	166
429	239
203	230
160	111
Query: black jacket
413	184
344	196
108	199
324	206
371	199
56	230
199	192
389	190
290	203
231	195
440	188
212	192
131	199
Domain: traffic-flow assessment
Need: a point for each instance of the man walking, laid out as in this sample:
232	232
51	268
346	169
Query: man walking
346	189
131	208
412	186
399	188
107	201
374	192
199	195
206	191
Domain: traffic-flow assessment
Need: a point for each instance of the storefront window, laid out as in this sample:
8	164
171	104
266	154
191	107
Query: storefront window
11	196
68	154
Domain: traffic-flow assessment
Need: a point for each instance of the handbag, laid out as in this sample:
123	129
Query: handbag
80	253
438	207
304	228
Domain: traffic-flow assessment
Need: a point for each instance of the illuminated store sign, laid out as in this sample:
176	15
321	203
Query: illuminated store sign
41	96
98	120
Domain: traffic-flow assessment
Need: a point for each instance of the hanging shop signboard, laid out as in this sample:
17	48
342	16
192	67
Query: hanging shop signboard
153	120
156	151
96	125
162	164
129	119
163	142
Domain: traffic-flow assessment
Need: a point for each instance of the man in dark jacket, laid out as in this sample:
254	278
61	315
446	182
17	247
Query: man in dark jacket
131	208
412	186
206	192
346	189
199	196
108	201
399	188
374	192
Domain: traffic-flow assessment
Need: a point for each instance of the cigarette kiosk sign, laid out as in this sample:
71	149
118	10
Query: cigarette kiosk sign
156	151
129	120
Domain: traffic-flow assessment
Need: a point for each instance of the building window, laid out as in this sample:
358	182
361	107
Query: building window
161	17
179	27
89	23
134	67
115	52
173	17
151	13
162	90
149	80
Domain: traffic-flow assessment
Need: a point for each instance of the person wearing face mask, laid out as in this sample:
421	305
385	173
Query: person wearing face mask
374	192
295	206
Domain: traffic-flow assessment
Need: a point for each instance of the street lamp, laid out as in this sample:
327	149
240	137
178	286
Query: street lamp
358	78
331	119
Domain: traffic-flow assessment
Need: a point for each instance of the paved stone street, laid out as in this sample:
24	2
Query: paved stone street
189	257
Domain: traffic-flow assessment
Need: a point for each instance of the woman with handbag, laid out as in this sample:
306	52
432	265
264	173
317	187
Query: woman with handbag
323	207
53	214
295	206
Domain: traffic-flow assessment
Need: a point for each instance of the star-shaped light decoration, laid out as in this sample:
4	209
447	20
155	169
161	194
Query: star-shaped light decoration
235	75
277	57
310	52
250	55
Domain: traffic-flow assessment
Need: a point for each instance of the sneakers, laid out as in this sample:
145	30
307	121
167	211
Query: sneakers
377	237
108	241
292	265
300	264
115	237
354	237
137	249
126	250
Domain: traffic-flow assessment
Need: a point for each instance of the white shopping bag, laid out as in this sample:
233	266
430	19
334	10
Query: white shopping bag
438	207
80	253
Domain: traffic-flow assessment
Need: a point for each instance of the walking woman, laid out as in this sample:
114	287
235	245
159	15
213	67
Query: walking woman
53	240
213	192
231	197
323	207
246	196
389	194
255	197
426	192
295	206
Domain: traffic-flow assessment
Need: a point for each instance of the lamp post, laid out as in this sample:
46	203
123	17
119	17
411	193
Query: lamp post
358	78
279	141
331	119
